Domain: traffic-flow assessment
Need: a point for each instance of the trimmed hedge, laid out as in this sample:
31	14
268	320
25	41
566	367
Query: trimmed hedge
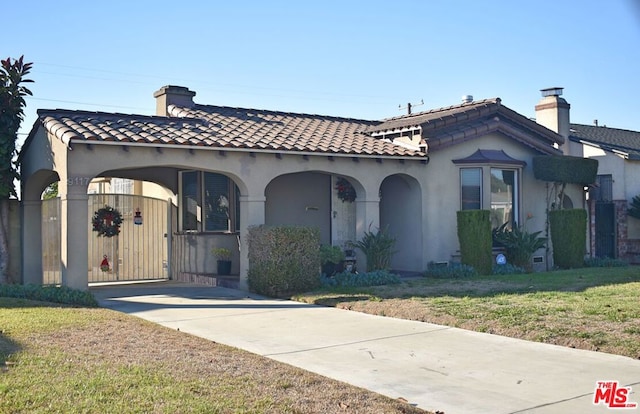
565	169
569	237
474	235
283	260
54	294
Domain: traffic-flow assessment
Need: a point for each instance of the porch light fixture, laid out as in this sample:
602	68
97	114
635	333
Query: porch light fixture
137	218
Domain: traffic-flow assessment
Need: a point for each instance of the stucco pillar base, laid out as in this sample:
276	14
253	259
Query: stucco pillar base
251	214
74	250
32	242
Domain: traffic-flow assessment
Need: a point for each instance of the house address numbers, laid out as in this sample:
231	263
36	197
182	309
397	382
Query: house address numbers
75	181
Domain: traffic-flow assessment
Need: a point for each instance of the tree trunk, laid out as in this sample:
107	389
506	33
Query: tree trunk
4	240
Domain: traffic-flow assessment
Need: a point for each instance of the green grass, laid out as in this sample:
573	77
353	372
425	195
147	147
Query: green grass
592	308
62	359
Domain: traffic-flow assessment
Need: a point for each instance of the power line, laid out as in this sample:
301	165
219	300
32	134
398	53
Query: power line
84	103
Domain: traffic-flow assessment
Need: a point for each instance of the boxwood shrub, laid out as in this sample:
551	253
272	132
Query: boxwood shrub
283	260
568	237
474	235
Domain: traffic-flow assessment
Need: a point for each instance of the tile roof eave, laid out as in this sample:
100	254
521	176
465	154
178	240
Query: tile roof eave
494	125
419	156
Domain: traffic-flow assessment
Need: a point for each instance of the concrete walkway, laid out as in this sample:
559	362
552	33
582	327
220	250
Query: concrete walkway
431	366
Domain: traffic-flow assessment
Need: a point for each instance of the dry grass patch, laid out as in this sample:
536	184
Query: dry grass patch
95	360
593	309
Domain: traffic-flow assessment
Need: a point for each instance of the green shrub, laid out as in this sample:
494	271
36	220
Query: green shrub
604	262
568	236
283	260
55	294
378	249
449	271
519	244
565	169
474	235
331	254
348	279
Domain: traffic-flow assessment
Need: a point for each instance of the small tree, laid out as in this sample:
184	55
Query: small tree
12	103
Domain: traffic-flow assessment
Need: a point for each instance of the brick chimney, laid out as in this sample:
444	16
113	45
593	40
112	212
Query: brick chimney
172	95
553	112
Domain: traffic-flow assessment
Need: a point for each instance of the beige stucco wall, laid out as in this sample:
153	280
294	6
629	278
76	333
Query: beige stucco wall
442	193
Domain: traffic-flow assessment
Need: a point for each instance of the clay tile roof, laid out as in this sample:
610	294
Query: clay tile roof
284	131
438	118
612	139
225	127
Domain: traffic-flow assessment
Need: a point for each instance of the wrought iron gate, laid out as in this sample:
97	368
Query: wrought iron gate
139	252
605	225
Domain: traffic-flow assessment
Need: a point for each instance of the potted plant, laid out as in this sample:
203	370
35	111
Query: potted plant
331	258
224	260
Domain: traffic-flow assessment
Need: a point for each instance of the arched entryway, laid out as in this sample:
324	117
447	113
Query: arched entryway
401	215
300	199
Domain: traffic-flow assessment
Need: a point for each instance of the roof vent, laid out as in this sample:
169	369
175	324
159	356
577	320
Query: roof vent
551	91
467	99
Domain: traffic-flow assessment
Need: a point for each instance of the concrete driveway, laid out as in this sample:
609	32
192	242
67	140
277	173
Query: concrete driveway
434	367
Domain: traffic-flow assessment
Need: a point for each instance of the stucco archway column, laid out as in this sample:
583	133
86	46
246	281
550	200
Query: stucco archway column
32	242
251	214
367	219
74	219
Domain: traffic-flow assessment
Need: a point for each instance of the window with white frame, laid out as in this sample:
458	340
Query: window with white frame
209	202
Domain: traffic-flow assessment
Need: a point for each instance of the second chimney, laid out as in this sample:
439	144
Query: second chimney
553	112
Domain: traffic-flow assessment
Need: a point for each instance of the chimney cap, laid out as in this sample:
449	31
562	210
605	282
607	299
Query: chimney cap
555	91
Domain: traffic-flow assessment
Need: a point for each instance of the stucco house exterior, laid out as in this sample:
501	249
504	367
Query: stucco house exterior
227	169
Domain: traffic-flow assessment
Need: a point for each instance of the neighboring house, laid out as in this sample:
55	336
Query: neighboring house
227	169
612	232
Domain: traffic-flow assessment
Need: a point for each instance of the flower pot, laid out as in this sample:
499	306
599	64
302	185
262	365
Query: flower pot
224	267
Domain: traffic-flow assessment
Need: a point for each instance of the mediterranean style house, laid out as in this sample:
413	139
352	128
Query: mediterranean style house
222	170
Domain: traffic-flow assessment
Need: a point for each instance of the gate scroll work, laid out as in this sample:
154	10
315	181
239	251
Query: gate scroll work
139	252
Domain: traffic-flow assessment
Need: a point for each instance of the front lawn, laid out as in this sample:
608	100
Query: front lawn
57	359
593	308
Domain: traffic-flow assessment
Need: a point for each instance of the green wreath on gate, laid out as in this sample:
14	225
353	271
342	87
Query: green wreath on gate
107	221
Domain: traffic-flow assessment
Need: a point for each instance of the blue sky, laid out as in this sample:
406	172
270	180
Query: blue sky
359	59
